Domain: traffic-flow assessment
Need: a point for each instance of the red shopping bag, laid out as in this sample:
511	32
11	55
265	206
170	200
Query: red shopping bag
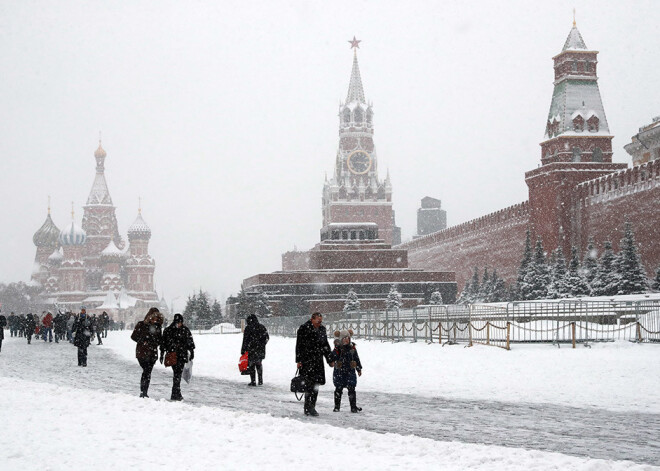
243	362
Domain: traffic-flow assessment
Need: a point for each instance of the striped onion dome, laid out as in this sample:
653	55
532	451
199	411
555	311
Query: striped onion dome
47	235
139	229
112	252
73	235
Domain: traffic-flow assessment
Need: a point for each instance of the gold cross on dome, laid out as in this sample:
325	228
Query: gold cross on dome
355	43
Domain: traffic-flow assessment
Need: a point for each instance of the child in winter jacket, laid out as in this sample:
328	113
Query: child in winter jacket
347	363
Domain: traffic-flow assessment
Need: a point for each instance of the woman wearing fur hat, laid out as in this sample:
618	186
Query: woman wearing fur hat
347	362
178	339
149	337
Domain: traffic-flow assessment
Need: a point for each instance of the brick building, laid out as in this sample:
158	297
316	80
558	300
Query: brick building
576	193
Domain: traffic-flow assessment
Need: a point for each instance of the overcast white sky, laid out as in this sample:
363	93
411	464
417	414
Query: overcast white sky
222	115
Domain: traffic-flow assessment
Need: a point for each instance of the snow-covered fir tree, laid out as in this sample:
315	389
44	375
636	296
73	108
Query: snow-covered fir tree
486	288
656	280
590	262
436	297
198	310
352	302
216	312
498	291
558	287
393	300
576	281
536	281
524	267
253	303
632	277
463	298
605	283
262	306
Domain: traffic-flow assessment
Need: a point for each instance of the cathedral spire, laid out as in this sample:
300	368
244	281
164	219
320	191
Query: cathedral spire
99	193
355	90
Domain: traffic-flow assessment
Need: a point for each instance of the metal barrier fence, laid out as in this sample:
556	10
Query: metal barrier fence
500	324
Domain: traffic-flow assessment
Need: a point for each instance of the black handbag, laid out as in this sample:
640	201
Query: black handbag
298	385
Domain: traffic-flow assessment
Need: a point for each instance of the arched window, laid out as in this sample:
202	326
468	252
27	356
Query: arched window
578	124
593	124
574	66
577	154
597	155
347	116
358	114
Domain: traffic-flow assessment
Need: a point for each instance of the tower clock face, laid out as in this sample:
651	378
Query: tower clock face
359	162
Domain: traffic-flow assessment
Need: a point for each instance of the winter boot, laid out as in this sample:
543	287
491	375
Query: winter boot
260	374
252	377
307	403
337	400
352	398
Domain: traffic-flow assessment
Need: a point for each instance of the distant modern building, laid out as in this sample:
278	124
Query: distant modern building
93	265
645	145
430	217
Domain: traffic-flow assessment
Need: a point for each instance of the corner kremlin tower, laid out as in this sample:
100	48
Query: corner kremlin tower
92	265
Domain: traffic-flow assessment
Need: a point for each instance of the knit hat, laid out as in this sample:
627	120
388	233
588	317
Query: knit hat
342	334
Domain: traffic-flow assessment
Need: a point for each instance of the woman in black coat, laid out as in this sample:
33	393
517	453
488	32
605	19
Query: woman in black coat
149	337
255	338
30	325
82	330
311	346
178	339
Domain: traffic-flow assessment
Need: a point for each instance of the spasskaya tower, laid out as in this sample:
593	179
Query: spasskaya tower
355	194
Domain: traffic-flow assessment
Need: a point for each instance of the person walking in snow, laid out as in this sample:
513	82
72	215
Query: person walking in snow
311	346
105	323
347	363
96	329
12	320
69	326
149	337
47	326
255	338
82	332
178	339
30	326
3	324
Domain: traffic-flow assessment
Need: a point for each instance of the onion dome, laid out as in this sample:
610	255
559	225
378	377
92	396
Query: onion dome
56	257
73	235
112	253
47	235
100	152
139	229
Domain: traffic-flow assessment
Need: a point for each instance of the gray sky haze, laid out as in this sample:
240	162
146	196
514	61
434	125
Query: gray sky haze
222	116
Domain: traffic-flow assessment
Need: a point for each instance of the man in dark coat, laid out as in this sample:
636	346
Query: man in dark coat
178	339
12	320
3	324
82	331
149	337
105	323
255	338
29	326
311	346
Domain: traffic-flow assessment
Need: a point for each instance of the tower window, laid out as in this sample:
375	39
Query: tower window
359	117
370	116
597	155
593	124
577	154
574	66
587	66
347	115
578	124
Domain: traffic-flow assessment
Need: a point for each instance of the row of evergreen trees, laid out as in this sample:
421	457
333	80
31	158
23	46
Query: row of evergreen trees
542	277
392	302
202	311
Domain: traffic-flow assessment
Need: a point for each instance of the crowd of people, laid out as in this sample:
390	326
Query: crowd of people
174	347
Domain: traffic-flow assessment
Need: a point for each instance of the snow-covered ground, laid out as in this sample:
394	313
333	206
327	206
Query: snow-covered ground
619	376
48	425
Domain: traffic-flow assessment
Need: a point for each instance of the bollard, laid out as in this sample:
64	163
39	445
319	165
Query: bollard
508	336
487	333
639	332
470	332
573	332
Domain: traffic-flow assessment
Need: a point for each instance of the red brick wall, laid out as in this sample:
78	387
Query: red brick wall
496	240
380	214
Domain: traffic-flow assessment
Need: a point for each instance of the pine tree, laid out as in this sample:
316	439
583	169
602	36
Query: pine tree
203	312
216	312
523	270
436	297
577	283
656	280
499	290
558	285
262	306
465	294
535	285
590	262
484	294
605	281
352	302
475	287
632	277
393	300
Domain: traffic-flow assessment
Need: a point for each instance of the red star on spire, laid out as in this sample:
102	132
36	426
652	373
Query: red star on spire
355	43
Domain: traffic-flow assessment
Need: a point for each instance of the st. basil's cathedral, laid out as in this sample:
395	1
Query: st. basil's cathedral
92	265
